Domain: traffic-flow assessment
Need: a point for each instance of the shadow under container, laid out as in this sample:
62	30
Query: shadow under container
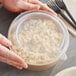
16	26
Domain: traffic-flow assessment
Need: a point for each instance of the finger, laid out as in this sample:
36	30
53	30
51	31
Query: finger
10	55
4	41
14	64
43	6
28	6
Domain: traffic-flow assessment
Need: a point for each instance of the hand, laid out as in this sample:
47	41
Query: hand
25	5
8	56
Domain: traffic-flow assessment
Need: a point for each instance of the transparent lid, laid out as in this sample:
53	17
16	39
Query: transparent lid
40	35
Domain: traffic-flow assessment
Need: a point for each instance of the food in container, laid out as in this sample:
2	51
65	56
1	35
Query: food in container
39	38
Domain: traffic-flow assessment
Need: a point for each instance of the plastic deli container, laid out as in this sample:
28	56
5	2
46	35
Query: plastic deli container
31	58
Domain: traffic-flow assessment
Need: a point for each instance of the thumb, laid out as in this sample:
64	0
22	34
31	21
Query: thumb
28	6
43	7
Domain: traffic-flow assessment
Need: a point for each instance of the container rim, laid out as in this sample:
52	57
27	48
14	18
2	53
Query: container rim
66	34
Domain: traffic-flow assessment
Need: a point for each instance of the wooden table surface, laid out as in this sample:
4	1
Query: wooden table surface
6	18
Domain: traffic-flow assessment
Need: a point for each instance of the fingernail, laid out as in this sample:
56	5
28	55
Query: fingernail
38	6
5	41
9	43
19	68
25	66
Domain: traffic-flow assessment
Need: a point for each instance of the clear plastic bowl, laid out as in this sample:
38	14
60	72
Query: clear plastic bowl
16	26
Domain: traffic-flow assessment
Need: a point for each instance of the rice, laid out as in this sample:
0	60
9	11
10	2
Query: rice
39	40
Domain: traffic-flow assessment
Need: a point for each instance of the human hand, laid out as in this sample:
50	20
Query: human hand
25	5
8	56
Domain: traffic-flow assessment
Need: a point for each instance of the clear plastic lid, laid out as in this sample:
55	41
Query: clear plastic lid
21	28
